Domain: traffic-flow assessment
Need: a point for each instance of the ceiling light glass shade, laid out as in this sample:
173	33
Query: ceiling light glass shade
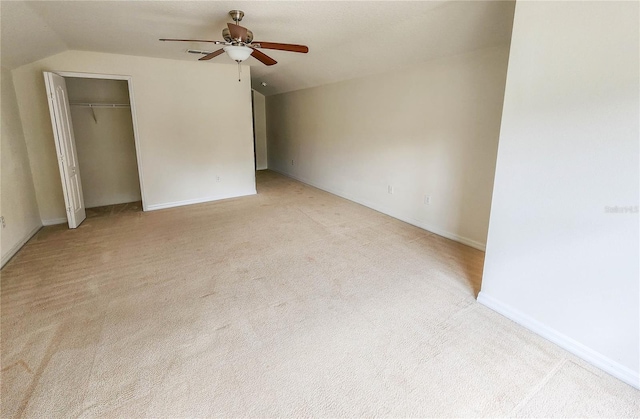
238	53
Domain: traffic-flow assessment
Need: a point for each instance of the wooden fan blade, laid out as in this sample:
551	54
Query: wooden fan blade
191	40
237	31
262	57
283	47
212	55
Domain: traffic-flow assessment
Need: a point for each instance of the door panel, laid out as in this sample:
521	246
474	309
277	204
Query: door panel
65	147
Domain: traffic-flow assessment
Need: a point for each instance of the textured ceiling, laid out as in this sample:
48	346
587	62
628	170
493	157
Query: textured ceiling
345	39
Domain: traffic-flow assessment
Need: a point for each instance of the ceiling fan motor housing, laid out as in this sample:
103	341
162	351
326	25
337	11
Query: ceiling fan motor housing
226	35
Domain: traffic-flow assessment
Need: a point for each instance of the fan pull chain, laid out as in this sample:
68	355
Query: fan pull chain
239	71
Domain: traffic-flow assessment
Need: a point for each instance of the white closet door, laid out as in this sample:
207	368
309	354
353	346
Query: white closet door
65	147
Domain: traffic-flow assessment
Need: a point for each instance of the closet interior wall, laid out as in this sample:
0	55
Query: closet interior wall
104	141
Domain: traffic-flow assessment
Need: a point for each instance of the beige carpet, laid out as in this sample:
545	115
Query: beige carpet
115	209
290	303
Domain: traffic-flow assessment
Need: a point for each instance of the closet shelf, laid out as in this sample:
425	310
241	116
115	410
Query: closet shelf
101	105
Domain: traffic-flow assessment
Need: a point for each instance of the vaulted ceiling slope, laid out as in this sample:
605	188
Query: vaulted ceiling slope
346	39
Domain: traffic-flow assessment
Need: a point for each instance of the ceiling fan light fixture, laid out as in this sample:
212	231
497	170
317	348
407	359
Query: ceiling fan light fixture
238	53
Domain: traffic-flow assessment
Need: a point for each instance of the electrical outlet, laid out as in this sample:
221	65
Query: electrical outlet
2	221
217	178
390	189
427	199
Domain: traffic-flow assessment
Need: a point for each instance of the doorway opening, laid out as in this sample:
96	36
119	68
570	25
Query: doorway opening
259	130
94	124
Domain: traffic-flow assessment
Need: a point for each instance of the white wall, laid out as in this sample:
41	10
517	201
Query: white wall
556	260
260	127
17	197
194	125
106	148
426	130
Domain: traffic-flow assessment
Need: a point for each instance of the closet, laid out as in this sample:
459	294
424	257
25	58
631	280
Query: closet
104	138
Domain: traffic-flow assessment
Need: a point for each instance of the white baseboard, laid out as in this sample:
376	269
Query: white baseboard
464	240
14	249
593	357
195	201
54	221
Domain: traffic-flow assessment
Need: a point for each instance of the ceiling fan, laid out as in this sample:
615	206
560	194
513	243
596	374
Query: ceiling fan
239	44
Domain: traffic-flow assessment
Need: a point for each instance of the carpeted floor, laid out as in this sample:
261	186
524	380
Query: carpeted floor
293	302
115	209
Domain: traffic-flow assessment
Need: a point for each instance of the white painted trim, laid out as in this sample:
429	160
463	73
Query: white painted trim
134	118
11	253
92	75
136	139
387	211
53	221
195	201
593	357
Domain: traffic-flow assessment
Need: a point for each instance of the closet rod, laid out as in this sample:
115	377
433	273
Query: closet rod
101	105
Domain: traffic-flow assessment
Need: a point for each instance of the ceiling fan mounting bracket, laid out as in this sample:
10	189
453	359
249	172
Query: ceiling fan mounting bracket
236	15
